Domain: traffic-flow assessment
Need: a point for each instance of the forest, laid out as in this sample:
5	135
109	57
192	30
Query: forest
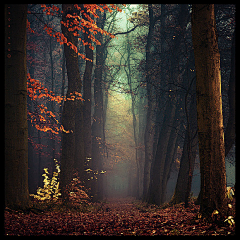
119	119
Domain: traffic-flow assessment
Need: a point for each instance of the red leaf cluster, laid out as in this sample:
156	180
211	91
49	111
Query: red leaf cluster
75	23
37	91
29	28
43	119
34	86
50	10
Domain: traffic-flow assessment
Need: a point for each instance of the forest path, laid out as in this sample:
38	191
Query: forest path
120	204
115	217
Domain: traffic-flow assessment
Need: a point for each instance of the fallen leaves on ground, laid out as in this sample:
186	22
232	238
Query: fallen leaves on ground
116	217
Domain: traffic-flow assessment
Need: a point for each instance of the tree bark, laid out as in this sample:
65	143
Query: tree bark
150	125
16	127
209	110
171	149
98	121
183	175
97	128
72	141
87	96
158	165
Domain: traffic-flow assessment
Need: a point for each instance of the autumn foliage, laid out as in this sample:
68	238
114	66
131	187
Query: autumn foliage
50	190
77	193
43	119
75	23
69	209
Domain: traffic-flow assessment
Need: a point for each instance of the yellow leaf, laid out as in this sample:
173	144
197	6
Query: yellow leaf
215	212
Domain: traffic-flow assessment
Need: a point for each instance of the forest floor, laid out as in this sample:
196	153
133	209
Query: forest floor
116	217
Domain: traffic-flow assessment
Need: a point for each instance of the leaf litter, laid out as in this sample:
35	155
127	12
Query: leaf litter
116	217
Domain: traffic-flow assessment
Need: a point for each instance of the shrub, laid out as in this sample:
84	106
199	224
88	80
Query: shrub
50	190
77	194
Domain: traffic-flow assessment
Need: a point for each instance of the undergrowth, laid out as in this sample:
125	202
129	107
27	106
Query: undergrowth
48	198
50	190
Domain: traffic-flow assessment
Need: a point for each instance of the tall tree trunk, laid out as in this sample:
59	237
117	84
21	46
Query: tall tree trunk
16	127
158	165
79	158
87	96
98	122
183	175
150	125
141	131
97	127
209	110
171	150
72	144
134	121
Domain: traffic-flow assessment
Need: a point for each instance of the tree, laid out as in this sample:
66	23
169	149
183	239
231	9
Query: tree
155	191
184	181
87	96
209	110
72	119
162	161
148	136
16	127
75	17
98	122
